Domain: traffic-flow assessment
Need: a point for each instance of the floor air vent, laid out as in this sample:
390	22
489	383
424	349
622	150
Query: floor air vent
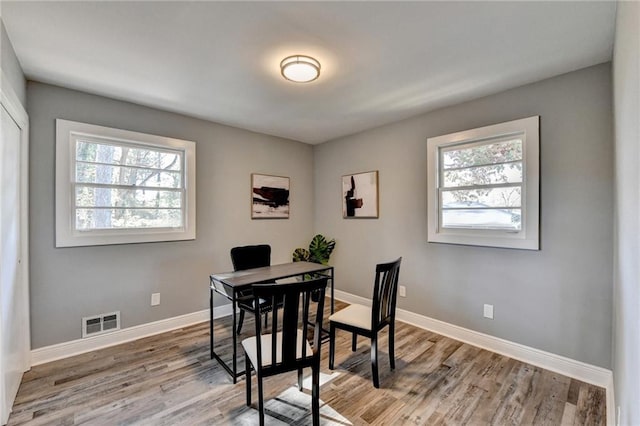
100	324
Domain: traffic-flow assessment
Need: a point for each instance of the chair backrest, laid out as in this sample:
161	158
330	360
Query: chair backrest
291	318
249	257
384	294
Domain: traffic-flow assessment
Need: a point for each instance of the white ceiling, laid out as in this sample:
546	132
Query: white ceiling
381	61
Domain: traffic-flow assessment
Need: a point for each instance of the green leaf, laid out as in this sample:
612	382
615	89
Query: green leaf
320	249
301	255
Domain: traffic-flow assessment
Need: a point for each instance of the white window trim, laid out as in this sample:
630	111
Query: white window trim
528	237
67	236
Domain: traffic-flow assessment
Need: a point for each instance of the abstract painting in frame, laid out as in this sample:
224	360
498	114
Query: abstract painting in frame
360	195
269	197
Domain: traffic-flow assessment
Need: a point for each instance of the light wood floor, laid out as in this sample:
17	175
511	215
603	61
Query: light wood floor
169	379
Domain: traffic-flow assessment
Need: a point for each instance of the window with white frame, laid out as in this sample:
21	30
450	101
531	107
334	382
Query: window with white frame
116	187
483	186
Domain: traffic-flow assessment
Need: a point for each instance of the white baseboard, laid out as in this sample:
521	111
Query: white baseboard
79	346
566	366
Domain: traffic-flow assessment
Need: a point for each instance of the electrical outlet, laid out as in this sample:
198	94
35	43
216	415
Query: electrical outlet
402	290
488	311
155	299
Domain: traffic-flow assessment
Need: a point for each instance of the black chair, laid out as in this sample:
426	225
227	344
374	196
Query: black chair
249	257
368	321
284	347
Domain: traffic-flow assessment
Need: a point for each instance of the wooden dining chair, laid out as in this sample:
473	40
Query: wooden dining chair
368	321
249	257
284	346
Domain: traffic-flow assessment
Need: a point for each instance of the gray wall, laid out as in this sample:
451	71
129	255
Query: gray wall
69	283
557	299
626	295
11	67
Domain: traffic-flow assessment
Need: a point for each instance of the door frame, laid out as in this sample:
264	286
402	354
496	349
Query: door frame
10	101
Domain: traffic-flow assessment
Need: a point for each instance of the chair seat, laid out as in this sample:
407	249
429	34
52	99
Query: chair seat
250	346
249	304
354	315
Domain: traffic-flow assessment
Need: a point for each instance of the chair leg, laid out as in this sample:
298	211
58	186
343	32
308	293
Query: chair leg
315	393
266	319
332	345
392	356
374	360
240	320
260	400
300	379
354	342
247	381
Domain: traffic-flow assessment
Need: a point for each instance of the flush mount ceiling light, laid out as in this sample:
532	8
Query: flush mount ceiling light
300	68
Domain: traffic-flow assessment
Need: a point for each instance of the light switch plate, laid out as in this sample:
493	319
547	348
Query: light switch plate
155	299
488	311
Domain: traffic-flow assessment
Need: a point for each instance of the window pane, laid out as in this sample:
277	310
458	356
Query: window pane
90	151
478	218
482	198
88	219
484	175
87	196
98	152
120	175
479	155
124	155
151	158
122	208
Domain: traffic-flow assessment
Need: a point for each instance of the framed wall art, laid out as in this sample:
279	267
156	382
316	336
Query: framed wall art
360	195
269	197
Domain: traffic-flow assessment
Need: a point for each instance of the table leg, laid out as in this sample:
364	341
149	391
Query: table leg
332	293
234	338
211	321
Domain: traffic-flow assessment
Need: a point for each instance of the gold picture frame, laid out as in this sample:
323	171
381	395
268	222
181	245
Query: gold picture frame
360	197
269	196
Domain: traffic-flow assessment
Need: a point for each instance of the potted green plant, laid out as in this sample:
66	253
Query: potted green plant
319	251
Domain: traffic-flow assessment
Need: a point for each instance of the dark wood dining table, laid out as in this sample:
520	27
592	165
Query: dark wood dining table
231	284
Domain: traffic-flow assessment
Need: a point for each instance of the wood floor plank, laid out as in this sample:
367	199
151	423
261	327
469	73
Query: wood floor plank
372	411
569	415
548	399
169	379
497	372
590	409
518	390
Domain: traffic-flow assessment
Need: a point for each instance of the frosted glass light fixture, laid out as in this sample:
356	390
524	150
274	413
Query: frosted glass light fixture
300	68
